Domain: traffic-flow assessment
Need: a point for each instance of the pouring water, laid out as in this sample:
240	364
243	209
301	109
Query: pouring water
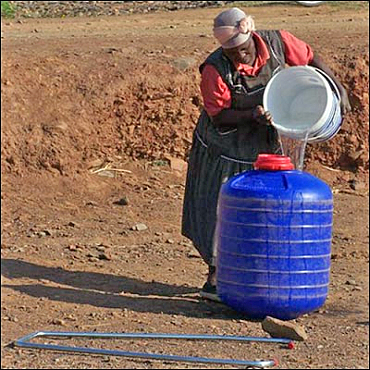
294	148
305	105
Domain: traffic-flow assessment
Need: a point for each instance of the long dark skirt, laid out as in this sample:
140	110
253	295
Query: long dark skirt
214	158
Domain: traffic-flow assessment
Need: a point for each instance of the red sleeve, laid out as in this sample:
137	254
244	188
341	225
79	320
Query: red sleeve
216	95
297	52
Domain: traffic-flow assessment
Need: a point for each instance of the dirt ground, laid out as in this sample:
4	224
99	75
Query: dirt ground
97	119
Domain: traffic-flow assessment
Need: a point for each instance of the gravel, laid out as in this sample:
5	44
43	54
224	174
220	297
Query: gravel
61	9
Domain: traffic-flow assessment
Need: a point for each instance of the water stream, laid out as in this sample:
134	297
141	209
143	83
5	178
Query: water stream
294	148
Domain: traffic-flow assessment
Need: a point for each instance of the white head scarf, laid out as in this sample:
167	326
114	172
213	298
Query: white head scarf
232	28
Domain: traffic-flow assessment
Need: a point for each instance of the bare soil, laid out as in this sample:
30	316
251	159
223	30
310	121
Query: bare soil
94	113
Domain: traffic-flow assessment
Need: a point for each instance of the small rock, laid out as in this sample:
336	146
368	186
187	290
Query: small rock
139	227
358	288
18	250
283	329
122	202
58	322
113	50
91	203
44	233
104	256
193	255
177	164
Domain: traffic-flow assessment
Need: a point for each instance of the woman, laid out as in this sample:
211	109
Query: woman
233	127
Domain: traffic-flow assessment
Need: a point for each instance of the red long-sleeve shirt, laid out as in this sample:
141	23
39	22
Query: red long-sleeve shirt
215	92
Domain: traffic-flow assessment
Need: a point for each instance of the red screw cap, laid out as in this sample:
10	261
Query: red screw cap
273	162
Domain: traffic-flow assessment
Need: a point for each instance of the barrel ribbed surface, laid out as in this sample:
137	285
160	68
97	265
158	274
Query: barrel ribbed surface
273	241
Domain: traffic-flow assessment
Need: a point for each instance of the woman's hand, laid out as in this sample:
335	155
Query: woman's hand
261	116
344	103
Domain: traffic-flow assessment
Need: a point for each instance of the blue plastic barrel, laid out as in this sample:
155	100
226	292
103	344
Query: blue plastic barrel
273	240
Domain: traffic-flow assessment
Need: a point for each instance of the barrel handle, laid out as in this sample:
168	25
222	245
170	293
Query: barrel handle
286	182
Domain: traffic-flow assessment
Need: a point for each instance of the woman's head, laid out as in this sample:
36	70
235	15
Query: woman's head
244	53
233	28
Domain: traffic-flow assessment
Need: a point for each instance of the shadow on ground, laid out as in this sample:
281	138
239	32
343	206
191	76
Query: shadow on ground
109	291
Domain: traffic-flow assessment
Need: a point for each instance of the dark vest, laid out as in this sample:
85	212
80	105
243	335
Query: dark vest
247	91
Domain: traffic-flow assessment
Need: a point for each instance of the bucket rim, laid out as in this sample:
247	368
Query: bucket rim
301	133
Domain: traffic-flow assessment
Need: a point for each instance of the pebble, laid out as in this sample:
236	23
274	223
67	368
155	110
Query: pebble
122	202
105	256
193	255
58	322
139	227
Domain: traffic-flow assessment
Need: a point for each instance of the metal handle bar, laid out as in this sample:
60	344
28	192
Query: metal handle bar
25	342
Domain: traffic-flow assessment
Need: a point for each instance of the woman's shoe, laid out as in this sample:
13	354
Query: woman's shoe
209	291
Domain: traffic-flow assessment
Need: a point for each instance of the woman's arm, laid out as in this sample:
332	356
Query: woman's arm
235	118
